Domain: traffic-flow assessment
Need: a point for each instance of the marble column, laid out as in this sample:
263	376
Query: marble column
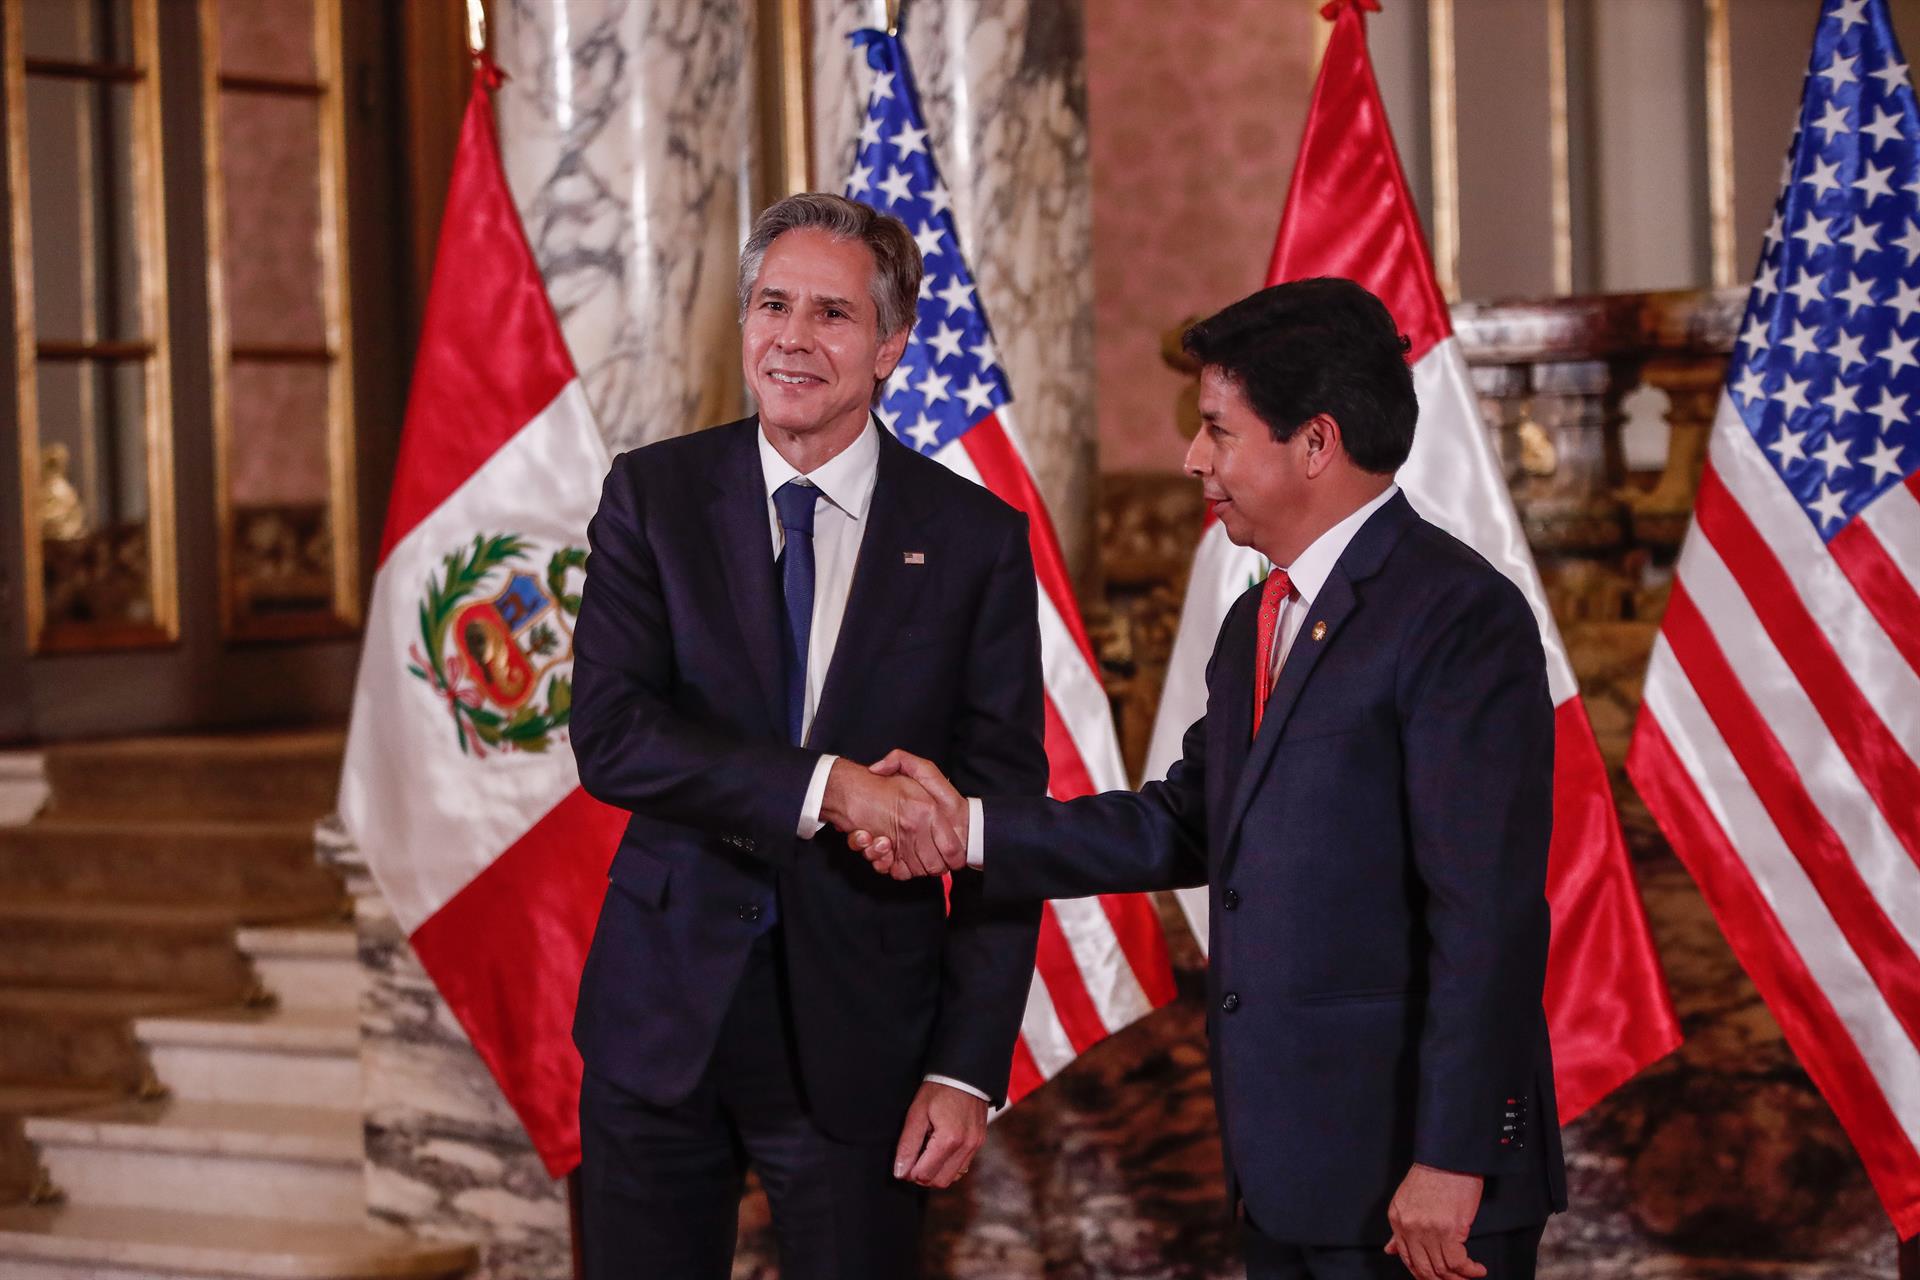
446	1157
628	131
1003	85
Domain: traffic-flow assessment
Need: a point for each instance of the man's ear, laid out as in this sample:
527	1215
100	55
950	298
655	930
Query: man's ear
888	356
1321	436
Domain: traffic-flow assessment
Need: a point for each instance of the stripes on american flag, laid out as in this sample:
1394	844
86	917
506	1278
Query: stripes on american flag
1102	962
1778	744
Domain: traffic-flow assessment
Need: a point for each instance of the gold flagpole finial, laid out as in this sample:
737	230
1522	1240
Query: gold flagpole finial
893	17
476	27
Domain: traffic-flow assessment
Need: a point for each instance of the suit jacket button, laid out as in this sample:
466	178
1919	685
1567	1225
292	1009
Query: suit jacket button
750	912
1230	1002
1230	899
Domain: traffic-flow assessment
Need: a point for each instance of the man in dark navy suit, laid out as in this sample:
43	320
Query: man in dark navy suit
754	997
1370	798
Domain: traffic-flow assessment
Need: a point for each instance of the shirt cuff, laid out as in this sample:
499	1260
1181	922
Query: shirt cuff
961	1085
810	823
976	834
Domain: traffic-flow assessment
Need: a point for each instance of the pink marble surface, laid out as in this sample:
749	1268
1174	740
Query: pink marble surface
1194	112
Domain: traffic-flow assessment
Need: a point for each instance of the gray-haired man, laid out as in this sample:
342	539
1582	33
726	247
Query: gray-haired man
755	997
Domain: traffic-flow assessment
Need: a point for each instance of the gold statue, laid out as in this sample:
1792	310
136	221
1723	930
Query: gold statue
63	517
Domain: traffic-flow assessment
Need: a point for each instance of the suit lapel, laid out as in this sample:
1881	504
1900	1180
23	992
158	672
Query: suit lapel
743	544
1229	717
885	591
1333	606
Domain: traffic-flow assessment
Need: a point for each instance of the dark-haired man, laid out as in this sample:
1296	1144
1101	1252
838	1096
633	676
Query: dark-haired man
753	998
1369	796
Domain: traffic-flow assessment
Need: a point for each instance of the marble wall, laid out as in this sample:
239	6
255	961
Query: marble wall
1195	117
627	130
1004	89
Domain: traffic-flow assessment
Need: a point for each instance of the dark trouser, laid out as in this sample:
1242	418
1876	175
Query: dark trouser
660	1186
1507	1255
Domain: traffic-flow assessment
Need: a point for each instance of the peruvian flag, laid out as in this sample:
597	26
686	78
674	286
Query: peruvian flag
459	784
1349	214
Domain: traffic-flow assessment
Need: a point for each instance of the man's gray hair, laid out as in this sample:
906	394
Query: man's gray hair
896	258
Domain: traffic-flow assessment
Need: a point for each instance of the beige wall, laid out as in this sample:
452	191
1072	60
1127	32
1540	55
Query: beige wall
1194	116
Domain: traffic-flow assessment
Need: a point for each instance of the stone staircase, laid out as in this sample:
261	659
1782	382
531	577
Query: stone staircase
179	1034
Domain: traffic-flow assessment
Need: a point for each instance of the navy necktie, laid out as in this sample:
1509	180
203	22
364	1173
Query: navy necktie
794	503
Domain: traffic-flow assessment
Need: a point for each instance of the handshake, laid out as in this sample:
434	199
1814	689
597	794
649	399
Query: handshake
901	814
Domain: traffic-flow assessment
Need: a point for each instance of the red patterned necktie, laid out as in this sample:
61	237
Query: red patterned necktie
1272	596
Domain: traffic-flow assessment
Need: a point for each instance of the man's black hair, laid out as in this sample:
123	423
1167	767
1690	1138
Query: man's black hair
1309	347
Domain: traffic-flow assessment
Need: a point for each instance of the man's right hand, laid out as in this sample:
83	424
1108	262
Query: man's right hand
893	807
905	855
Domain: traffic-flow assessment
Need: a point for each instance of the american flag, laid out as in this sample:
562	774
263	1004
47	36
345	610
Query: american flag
1778	739
1102	962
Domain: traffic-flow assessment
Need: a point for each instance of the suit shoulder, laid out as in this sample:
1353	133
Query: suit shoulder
1453	572
676	456
959	496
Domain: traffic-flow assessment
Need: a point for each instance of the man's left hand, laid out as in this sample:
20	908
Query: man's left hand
945	1127
1431	1214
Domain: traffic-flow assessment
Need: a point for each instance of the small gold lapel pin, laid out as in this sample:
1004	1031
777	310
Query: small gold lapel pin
1319	631
914	557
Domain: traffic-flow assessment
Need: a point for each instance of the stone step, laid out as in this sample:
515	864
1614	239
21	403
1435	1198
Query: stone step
80	1036
151	945
290	1055
76	1243
19	1166
246	1159
265	862
285	774
307	966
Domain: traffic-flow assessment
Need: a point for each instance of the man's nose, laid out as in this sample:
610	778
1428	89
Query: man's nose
795	332
1199	460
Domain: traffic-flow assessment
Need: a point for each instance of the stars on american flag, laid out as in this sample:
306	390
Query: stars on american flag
950	377
1825	374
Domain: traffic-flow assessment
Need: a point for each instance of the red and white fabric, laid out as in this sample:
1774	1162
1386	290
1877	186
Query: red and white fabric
1102	962
491	856
1778	744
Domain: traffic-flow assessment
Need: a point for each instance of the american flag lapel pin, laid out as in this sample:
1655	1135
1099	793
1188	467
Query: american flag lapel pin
1319	631
914	557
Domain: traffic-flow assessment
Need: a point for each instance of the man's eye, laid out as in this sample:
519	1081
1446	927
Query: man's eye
836	313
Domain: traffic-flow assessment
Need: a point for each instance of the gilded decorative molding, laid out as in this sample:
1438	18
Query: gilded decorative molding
1719	73
1444	124
150	618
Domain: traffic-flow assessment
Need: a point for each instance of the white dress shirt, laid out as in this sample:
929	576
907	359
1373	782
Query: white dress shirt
845	482
1308	573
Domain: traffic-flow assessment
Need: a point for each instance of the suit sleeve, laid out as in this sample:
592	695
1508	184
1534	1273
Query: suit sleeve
636	750
1477	731
1113	842
999	746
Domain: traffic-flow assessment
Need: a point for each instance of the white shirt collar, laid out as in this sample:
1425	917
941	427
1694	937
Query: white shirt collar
1309	570
846	479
